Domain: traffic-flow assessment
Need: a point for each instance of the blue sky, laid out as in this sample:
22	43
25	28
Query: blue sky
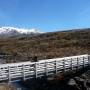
46	15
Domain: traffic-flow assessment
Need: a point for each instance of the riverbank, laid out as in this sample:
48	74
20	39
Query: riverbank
6	86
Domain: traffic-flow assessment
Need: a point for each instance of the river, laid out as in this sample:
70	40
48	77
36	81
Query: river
19	86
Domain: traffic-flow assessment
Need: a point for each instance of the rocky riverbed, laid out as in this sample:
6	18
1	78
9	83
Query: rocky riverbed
77	82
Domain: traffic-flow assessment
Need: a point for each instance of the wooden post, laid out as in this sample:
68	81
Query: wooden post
9	76
64	66
35	69
71	64
46	72
88	60
83	62
77	64
23	73
55	66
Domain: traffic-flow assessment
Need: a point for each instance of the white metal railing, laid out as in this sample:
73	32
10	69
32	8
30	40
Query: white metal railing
26	70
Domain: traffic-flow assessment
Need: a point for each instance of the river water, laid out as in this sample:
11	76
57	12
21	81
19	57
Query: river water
19	86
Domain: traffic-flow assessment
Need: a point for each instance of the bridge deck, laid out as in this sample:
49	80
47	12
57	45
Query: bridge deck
26	70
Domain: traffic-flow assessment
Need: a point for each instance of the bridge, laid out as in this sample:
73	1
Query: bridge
48	67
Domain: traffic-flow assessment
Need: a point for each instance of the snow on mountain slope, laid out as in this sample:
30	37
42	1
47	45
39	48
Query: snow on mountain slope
11	31
6	30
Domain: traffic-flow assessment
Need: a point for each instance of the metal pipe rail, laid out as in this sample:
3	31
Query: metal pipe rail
27	70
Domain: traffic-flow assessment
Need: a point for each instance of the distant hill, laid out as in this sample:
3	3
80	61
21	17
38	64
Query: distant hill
48	45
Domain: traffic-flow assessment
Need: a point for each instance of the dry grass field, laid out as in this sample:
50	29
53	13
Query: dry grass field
47	45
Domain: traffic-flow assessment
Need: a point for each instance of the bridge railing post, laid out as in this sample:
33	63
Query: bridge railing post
77	64
55	66
23	73
46	70
89	60
64	69
83	62
71	64
9	76
35	69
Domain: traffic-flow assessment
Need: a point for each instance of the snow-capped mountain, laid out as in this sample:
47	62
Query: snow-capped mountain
11	31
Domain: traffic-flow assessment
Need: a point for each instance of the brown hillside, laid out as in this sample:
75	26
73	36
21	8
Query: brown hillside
48	45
